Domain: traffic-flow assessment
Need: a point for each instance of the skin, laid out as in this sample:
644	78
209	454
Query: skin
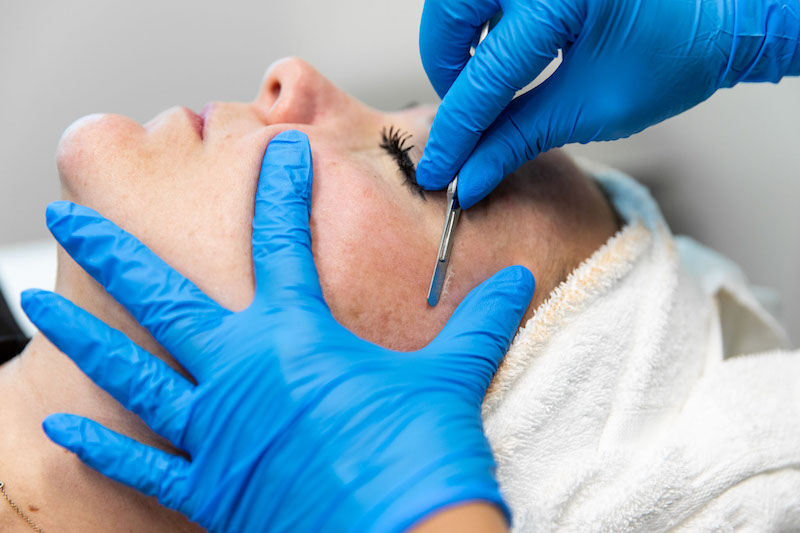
189	197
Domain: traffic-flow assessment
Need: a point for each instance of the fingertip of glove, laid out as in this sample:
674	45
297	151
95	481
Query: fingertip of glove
465	199
37	304
64	217
427	176
28	300
57	427
512	288
523	273
520	280
290	136
56	211
474	180
50	424
288	153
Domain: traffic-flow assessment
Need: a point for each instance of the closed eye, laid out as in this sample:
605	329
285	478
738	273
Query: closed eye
394	142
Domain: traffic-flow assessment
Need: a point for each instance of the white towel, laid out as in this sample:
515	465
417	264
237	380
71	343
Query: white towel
631	400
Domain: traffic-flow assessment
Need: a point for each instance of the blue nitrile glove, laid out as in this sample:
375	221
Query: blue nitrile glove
295	424
628	64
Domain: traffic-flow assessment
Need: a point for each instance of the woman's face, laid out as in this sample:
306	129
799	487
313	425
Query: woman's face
184	184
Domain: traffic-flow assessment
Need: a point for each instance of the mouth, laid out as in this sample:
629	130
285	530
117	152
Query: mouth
204	115
198	121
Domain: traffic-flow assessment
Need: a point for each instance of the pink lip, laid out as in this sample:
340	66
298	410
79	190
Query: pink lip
204	115
198	121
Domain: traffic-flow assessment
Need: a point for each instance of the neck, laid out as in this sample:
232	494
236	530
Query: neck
50	382
59	384
50	485
42	381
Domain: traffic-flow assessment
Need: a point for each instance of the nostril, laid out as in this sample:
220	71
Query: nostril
275	89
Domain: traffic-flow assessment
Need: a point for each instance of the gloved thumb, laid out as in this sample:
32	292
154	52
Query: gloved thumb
478	334
282	259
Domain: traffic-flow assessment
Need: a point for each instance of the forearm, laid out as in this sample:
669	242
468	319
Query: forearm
471	517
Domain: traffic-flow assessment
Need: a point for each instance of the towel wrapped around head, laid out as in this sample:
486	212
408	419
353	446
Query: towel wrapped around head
650	392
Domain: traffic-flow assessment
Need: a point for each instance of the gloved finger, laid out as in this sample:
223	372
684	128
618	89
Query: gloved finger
447	31
121	458
482	327
510	57
136	379
161	299
537	121
282	257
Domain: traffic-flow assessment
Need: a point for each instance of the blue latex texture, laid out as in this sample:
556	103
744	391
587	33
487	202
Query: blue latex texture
627	64
294	423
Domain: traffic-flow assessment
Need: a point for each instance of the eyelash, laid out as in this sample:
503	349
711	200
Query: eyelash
394	141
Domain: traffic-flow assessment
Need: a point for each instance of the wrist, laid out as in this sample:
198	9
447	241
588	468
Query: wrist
764	41
394	496
417	473
417	505
470	517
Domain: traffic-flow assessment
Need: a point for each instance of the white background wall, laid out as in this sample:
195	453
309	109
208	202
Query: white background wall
727	172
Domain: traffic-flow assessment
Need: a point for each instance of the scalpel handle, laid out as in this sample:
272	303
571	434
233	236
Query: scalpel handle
453	212
445	245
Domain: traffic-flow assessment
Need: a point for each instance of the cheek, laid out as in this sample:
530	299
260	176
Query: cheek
192	210
374	254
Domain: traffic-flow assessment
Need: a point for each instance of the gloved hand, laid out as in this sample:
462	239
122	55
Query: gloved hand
295	424
627	64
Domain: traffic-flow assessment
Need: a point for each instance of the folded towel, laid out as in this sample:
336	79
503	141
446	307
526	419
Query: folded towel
633	400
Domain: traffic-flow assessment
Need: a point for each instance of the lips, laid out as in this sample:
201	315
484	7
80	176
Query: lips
197	121
200	120
204	116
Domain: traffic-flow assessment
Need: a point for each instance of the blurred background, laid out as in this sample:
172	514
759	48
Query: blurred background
727	172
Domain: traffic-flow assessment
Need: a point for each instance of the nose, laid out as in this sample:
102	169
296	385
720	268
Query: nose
294	92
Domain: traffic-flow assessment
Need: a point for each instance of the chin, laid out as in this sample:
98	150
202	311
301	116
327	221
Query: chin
91	144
